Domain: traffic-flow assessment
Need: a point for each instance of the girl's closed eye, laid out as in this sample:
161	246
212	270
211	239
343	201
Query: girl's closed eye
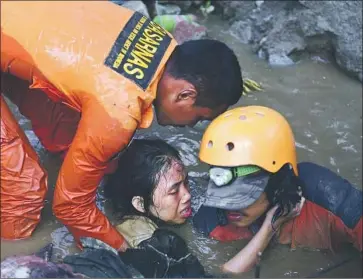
174	191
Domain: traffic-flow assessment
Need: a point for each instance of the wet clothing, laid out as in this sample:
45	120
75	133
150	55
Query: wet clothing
154	253
100	263
23	180
85	91
164	255
97	260
136	229
330	216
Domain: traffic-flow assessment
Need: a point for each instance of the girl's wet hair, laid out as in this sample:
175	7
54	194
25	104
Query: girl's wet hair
284	189
138	173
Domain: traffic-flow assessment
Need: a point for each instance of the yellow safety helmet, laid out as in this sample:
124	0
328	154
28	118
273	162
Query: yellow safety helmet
252	135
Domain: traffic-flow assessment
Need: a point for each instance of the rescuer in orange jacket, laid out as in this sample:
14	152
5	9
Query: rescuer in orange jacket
87	73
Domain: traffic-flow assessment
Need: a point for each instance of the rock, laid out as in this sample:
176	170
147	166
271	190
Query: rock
262	54
282	40
235	9
183	5
197	3
280	31
185	31
242	30
168	9
138	6
259	3
344	19
151	7
279	60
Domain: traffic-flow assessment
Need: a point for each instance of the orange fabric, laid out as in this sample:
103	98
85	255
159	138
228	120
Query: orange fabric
57	130
318	228
63	53
55	124
23	180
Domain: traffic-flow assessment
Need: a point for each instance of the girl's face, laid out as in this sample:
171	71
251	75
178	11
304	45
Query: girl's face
245	217
171	198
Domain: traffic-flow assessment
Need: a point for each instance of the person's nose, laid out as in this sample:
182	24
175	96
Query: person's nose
186	195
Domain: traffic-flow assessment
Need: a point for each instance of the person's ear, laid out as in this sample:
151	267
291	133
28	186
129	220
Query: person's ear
138	203
189	96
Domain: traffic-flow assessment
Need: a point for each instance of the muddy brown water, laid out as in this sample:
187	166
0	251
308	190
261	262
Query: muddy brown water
324	107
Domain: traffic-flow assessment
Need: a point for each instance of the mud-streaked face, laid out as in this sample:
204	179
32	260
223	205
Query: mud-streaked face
171	198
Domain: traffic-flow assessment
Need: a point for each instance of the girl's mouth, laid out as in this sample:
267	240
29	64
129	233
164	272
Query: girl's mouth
186	213
234	216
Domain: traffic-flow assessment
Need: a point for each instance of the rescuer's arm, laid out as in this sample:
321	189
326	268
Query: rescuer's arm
98	139
246	258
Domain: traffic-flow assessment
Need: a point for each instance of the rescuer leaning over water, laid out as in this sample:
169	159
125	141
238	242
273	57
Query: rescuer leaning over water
86	74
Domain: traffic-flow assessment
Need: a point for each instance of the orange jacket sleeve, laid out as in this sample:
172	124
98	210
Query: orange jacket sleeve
99	136
319	228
